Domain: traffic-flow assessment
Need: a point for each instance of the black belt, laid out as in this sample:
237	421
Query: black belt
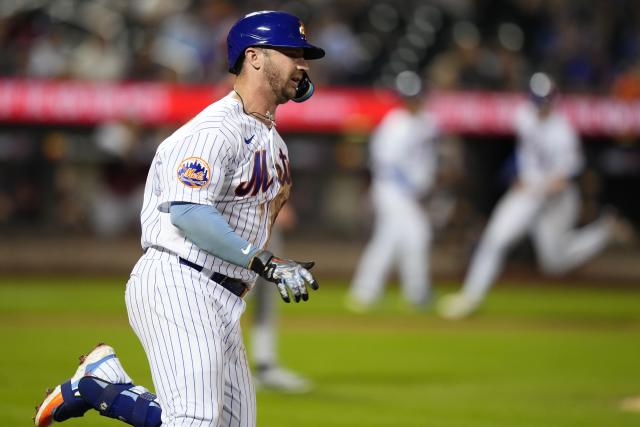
235	286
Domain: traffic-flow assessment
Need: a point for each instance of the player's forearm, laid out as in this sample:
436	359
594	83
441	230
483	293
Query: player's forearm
207	228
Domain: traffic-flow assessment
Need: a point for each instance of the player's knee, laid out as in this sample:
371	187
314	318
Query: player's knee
494	244
416	245
552	266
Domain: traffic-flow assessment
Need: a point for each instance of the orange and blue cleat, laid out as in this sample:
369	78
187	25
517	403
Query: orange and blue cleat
64	401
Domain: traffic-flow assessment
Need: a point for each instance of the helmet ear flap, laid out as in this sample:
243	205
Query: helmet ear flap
305	89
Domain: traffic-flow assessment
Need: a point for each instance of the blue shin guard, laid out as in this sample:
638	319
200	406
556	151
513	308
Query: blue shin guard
124	402
73	405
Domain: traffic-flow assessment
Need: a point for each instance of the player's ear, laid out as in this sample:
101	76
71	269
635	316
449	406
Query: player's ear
254	57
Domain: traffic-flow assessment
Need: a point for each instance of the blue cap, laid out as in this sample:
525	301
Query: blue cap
269	29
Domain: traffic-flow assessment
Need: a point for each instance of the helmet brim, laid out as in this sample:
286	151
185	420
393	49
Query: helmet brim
310	51
313	52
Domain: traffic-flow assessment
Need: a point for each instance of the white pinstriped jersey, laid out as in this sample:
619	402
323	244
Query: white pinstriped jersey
403	152
225	158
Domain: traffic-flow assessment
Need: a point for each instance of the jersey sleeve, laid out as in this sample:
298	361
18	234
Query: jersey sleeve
193	170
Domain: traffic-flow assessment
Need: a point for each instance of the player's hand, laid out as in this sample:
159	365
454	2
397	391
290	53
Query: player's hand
556	185
288	275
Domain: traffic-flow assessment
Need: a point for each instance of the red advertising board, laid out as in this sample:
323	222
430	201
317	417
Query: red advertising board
331	109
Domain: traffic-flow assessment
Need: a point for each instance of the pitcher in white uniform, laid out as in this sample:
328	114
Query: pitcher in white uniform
212	194
543	202
403	164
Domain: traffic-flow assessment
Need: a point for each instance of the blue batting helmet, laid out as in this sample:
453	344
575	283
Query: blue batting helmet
269	29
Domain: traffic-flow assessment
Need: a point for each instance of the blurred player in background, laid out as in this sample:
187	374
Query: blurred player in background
268	373
117	198
403	166
544	201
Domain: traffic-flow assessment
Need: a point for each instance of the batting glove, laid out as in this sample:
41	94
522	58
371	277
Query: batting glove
288	275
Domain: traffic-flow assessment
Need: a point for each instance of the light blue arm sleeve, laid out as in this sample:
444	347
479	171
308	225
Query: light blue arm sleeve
206	227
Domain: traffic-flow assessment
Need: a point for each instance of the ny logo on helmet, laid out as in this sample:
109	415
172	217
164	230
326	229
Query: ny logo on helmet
302	30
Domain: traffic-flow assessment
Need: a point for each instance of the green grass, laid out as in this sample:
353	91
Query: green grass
535	356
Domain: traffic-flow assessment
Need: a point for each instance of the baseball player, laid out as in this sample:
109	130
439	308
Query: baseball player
213	192
544	202
403	165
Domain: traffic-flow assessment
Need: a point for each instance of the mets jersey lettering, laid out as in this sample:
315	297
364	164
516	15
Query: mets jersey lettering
261	180
283	169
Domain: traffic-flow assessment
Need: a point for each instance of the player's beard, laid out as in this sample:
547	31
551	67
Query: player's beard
280	87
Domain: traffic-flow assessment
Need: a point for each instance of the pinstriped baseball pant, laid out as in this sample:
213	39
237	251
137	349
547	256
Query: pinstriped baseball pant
190	330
